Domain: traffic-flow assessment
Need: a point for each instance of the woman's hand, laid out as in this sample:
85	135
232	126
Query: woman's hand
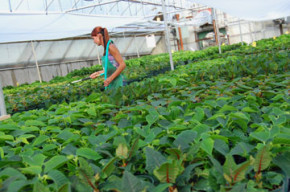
95	75
107	82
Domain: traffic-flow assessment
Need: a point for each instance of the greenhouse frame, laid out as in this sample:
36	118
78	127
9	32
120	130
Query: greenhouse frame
203	103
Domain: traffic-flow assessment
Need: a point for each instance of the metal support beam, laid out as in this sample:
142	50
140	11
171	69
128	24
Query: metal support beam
59	3
129	44
100	63
94	5
252	38
136	46
10	8
75	5
151	3
143	8
46	7
216	30
180	34
19	5
241	35
2	102
36	62
167	34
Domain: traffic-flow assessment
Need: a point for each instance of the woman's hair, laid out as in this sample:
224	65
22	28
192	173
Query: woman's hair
104	33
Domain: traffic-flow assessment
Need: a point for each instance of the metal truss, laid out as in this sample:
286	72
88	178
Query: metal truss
94	7
144	9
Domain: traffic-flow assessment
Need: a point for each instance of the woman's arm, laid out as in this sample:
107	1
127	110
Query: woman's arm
96	74
117	56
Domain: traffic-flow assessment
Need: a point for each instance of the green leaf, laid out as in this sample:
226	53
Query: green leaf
187	173
240	115
1	153
134	147
207	145
184	139
88	153
85	167
221	146
173	81
65	188
218	115
249	110
261	136
282	161
174	153
263	159
153	159
152	117
54	163
34	123
216	165
58	177
162	187
130	183
168	172
17	185
65	135
92	111
240	171
40	139
109	168
37	187
278	121
277	97
36	160
5	163
122	151
6	137
200	129
227	108
8	127
282	139
199	114
11	172
228	168
242	149
33	170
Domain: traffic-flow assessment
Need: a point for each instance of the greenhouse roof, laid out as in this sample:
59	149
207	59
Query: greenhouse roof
25	20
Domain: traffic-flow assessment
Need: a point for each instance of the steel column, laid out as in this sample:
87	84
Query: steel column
36	62
2	102
167	34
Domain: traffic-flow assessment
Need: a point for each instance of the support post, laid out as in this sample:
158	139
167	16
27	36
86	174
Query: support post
3	113
98	56
167	34
241	35
36	62
281	28
136	46
179	32
252	39
10	7
216	30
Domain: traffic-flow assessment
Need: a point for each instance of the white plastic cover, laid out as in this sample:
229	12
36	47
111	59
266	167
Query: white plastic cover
15	27
256	10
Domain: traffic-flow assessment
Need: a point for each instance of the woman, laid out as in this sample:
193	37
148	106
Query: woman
115	63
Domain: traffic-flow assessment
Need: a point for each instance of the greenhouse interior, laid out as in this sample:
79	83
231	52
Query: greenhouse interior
144	96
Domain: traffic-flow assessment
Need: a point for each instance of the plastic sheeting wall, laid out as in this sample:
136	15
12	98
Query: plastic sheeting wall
29	74
251	31
57	58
